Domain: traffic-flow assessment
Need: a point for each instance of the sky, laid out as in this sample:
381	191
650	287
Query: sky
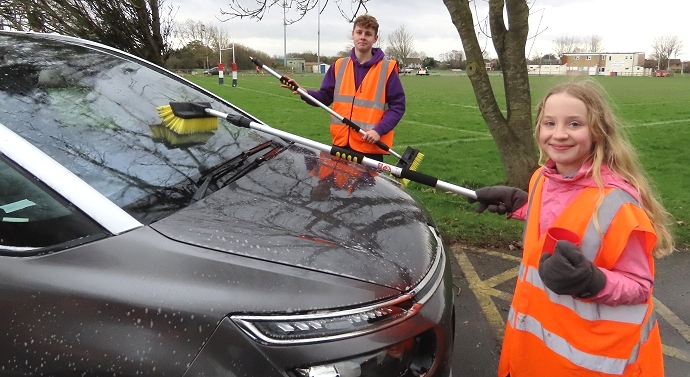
624	25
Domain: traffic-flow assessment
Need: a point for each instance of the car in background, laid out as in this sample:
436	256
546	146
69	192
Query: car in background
127	249
661	73
214	71
406	70
423	72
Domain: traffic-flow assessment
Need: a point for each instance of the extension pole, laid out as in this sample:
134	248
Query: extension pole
243	121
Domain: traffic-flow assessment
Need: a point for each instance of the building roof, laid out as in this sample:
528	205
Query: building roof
601	53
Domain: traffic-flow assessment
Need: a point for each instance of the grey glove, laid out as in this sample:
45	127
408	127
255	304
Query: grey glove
499	199
568	272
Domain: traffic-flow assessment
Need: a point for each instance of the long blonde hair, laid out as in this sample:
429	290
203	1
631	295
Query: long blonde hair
611	147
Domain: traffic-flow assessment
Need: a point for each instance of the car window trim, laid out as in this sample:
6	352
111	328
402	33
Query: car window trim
65	183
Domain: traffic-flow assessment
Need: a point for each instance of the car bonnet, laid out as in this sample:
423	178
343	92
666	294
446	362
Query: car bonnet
375	232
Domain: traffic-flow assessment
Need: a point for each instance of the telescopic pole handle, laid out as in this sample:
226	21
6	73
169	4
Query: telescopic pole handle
243	121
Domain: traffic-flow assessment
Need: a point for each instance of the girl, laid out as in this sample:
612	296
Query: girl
584	310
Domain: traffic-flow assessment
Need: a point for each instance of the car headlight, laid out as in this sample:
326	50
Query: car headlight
332	325
325	326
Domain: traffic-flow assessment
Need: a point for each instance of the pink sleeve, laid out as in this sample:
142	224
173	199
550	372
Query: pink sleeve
519	214
630	281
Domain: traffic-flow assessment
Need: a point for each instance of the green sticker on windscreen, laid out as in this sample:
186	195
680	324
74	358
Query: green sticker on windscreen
16	206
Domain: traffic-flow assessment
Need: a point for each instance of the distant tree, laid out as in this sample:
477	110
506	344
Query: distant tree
307	56
140	27
454	58
429	62
199	39
666	47
566	44
537	58
190	30
400	45
550	59
193	55
593	43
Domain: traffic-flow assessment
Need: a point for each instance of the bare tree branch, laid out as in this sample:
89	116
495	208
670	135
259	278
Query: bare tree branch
593	43
665	47
400	45
134	26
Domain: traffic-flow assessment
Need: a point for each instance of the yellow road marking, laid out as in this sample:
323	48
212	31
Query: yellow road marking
485	291
675	352
672	319
482	294
502	277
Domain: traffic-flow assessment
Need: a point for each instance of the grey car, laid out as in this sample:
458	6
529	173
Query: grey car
129	250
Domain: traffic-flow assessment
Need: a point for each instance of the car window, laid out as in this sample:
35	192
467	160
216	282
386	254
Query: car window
95	112
33	217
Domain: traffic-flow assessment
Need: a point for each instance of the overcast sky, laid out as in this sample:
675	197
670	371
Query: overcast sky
624	25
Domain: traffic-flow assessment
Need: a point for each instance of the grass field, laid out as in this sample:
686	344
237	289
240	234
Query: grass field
443	121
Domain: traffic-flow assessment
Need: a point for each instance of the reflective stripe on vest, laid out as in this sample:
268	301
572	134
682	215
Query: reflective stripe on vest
613	201
561	346
588	310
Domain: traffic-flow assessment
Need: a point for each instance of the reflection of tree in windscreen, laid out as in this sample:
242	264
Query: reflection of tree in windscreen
365	220
145	198
39	65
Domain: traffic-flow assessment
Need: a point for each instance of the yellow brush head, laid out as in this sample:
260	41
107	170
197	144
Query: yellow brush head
185	126
413	165
173	140
417	160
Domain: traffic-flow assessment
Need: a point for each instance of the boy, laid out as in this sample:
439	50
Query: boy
364	88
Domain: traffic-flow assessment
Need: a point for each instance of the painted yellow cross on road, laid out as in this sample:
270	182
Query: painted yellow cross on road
486	291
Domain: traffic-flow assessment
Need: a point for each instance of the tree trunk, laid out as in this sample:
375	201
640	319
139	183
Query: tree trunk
512	133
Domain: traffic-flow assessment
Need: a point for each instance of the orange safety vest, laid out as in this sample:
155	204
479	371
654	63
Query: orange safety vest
345	175
364	106
549	334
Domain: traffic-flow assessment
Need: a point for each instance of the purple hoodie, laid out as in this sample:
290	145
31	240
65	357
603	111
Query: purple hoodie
395	95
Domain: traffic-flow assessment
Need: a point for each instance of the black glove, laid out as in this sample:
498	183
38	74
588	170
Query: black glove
499	199
568	272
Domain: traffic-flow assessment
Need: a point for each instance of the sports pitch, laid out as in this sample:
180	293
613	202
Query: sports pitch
443	121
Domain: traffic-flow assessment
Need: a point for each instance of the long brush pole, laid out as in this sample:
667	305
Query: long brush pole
243	121
296	88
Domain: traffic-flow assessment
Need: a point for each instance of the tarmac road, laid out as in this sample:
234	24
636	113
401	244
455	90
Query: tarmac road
485	280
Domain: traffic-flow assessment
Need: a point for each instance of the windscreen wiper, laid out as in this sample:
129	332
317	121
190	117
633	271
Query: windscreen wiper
226	167
254	164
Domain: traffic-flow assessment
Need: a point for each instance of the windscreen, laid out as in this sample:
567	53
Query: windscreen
95	112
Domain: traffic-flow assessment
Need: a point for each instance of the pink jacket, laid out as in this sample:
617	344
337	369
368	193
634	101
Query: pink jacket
629	282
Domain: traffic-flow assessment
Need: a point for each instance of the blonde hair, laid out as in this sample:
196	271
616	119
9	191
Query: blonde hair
367	22
612	148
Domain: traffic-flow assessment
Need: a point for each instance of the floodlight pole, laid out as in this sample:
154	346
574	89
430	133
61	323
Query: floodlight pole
318	35
284	33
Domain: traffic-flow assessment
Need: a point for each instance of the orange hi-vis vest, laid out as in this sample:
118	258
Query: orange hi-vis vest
345	175
364	106
559	335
